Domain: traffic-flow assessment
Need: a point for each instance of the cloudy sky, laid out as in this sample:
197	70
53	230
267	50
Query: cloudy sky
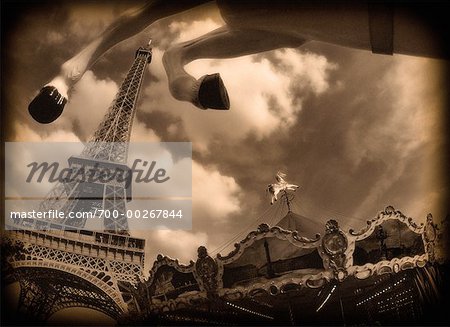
356	131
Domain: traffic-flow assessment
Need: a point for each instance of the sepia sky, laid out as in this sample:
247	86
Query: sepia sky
356	131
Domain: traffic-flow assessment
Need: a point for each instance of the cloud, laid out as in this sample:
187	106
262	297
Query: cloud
140	133
26	134
308	70
402	135
215	196
173	243
408	117
88	103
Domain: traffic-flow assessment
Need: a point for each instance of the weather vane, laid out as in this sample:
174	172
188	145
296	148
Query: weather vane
280	186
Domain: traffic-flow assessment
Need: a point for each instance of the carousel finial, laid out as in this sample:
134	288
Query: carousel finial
280	186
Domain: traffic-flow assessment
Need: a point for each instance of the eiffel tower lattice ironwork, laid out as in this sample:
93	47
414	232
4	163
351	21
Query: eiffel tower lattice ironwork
66	265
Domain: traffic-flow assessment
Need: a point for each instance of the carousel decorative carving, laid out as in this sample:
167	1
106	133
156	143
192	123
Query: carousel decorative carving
429	237
207	270
171	283
305	240
264	230
371	254
383	267
335	245
140	293
167	261
388	213
381	235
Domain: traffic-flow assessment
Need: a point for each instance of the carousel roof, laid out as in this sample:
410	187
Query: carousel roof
303	225
300	261
270	260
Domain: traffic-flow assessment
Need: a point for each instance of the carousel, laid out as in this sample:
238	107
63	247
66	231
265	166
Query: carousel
299	272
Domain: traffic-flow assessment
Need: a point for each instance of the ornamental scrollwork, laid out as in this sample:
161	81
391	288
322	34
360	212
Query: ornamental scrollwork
335	245
207	270
429	237
263	228
140	293
388	213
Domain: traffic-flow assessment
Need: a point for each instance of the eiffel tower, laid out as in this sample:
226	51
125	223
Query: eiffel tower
66	265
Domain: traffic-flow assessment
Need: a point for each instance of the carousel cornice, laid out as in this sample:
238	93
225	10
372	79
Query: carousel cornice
388	213
278	285
162	260
264	230
388	266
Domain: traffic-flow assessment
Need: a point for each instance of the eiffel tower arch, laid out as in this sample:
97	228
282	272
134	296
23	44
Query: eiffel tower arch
62	264
61	271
